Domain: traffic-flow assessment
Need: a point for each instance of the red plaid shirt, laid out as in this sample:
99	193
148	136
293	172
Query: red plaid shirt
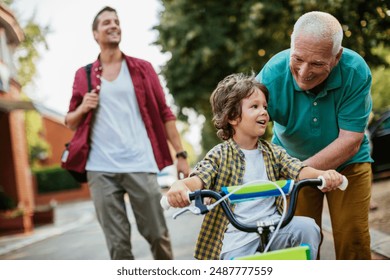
151	100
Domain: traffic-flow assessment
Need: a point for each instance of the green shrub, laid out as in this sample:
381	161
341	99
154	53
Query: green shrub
6	203
53	179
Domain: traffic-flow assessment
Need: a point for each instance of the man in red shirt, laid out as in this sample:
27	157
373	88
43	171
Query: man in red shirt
122	127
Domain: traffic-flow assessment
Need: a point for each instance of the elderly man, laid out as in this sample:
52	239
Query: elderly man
320	103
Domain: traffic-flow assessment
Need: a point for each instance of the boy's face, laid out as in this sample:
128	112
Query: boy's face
254	117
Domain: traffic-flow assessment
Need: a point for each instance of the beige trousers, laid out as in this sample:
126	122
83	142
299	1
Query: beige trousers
108	191
348	212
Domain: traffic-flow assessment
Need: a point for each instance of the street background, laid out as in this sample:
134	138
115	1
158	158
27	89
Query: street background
76	234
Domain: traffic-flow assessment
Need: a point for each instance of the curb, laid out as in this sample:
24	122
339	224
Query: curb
15	242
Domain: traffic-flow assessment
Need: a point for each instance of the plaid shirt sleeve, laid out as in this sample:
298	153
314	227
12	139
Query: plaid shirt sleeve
207	169
222	166
209	239
280	165
283	165
290	166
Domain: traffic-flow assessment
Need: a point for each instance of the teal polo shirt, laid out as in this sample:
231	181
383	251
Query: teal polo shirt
304	122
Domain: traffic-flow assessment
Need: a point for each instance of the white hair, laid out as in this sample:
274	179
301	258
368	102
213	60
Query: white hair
321	26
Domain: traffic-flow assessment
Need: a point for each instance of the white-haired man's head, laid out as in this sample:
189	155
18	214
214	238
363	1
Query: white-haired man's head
319	25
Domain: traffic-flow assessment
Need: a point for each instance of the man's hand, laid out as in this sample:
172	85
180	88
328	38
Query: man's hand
333	180
90	101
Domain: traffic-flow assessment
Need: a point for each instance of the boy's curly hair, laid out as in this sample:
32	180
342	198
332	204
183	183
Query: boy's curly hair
226	101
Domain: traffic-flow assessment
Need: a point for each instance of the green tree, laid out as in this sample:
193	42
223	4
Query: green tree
38	148
208	40
381	83
29	50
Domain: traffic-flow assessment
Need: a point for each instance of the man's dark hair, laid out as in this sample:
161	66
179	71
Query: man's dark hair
96	21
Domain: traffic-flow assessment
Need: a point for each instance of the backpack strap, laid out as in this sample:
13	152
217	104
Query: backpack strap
88	71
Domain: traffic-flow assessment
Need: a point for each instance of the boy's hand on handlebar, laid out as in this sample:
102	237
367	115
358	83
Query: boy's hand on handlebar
178	195
333	180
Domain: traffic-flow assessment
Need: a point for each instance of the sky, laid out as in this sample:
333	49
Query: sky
71	44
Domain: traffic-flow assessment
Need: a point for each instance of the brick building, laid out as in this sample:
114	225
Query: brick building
16	179
15	174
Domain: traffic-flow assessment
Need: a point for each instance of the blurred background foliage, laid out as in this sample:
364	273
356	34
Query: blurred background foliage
208	40
27	55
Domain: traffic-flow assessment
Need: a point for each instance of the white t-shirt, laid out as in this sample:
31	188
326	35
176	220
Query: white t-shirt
251	211
119	141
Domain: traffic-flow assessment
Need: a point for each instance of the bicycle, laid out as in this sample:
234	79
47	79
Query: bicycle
255	190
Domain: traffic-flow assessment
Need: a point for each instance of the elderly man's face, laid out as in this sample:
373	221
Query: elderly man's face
311	61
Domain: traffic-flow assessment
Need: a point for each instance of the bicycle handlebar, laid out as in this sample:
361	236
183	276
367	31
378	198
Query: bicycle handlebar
200	208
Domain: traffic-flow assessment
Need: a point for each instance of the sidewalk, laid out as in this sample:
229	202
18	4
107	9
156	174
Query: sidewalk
67	217
72	215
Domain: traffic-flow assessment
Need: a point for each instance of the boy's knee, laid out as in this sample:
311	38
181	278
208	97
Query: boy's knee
310	234
308	227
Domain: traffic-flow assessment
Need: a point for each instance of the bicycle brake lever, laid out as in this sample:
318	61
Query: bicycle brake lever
192	208
196	207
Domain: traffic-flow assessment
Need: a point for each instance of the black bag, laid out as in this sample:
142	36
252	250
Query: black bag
80	177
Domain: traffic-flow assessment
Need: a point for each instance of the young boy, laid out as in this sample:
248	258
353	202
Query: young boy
239	105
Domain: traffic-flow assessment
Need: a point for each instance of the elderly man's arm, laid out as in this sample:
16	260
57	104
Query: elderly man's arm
337	152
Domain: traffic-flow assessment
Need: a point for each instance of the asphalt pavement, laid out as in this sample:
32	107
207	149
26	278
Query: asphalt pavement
76	235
